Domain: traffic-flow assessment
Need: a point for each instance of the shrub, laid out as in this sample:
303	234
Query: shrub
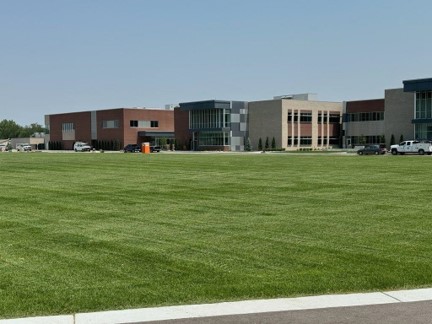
260	146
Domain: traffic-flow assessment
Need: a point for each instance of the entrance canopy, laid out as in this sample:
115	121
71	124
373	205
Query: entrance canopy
155	134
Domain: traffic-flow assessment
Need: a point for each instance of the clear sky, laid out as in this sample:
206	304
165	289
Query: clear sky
60	56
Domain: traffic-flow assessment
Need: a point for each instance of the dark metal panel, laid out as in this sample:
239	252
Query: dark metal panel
208	104
422	121
155	133
417	85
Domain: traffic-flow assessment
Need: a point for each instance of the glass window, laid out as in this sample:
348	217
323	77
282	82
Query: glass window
334	118
423	104
364	116
110	124
213	138
429	108
144	123
306	140
292	140
306	117
68	127
208	118
322	118
423	131
227	119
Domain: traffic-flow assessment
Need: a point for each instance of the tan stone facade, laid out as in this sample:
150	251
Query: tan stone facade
295	123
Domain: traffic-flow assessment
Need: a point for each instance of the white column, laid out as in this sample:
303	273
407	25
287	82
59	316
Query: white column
292	128
328	128
298	128
322	128
314	128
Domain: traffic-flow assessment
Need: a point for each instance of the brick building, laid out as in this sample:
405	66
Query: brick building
120	126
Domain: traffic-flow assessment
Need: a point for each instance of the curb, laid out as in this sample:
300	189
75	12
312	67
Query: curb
231	308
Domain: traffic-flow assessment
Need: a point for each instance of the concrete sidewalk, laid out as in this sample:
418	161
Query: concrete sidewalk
226	309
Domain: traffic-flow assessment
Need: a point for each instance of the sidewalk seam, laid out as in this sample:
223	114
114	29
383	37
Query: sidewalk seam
388	295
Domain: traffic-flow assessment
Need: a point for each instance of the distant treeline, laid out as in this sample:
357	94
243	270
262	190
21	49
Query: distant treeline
10	129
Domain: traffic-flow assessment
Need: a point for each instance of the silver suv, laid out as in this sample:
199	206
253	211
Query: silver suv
82	147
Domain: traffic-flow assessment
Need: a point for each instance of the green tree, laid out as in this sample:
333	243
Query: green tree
117	145
260	147
9	129
28	131
267	145
163	143
248	145
401	139
273	144
392	140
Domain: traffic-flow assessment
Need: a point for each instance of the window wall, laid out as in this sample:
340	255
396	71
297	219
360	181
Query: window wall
209	118
304	140
423	104
330	118
213	138
362	140
423	131
365	116
423	110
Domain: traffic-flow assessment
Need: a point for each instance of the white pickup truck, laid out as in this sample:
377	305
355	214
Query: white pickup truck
415	147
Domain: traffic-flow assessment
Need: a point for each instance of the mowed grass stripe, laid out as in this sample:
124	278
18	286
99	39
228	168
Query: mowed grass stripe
86	232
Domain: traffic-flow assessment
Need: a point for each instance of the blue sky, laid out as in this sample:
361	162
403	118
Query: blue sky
73	55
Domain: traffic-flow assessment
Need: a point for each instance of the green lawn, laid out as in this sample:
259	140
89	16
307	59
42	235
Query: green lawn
87	232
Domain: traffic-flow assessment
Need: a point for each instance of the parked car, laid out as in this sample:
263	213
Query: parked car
372	149
24	147
132	148
155	149
82	147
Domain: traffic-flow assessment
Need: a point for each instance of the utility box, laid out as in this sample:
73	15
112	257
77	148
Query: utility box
145	148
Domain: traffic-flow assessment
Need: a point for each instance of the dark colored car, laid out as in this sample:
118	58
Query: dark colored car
132	148
372	149
155	149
